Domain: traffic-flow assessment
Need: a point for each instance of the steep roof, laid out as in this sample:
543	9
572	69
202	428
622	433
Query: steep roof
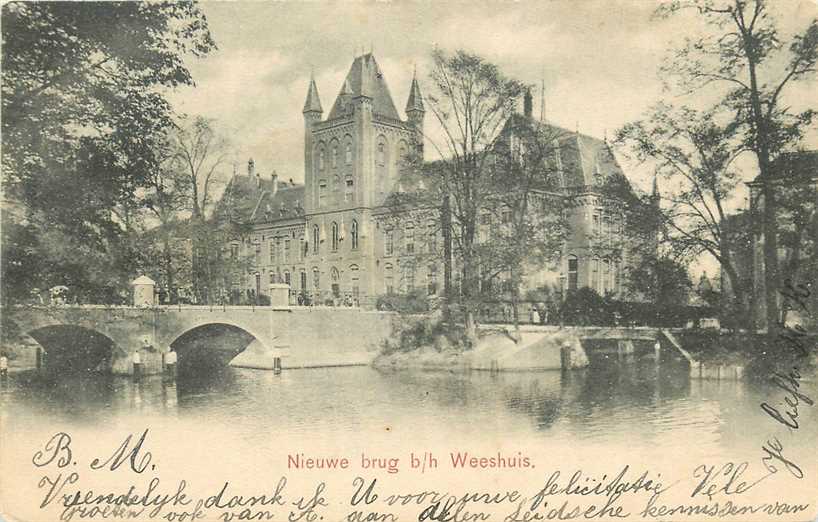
313	102
586	161
365	79
286	203
251	200
415	101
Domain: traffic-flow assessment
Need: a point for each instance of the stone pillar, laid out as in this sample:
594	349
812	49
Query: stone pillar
279	294
143	288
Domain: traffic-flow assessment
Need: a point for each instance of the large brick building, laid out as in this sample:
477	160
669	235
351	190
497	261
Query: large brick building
328	238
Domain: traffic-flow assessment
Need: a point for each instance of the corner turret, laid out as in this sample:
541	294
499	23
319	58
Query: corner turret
415	111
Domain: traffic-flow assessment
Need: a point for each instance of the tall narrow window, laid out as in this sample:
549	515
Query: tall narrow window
573	272
432	238
316	238
389	279
381	154
596	276
321	159
322	193
348	153
388	242
272	252
409	277
353	233
334	155
607	276
409	239
316	279
335	237
431	279
349	190
286	250
354	281
596	225
287	277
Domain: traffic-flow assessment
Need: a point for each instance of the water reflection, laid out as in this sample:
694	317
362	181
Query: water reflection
637	402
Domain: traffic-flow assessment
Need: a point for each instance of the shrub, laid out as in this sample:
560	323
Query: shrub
414	302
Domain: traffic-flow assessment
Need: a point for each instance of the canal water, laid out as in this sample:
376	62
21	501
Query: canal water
240	424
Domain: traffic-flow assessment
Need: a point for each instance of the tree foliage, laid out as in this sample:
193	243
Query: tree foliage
83	111
745	55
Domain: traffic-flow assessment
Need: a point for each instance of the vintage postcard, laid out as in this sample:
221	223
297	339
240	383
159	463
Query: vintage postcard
409	261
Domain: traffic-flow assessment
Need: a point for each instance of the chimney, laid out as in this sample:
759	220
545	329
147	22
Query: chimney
275	183
251	167
528	104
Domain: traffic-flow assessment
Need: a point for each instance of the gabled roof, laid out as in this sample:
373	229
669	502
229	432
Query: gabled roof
365	79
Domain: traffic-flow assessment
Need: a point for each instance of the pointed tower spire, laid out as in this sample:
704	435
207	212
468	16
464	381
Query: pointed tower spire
415	101
313	102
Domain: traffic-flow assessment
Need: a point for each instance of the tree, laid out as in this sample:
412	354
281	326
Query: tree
82	107
740	54
661	279
695	157
472	101
182	191
524	216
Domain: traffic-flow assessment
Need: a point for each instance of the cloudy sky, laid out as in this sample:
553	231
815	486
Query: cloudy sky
598	60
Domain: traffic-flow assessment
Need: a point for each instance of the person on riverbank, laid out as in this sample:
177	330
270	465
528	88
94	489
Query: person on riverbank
170	364
136	358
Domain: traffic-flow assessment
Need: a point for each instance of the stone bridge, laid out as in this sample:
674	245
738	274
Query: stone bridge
107	336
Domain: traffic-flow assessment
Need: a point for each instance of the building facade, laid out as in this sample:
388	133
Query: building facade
330	240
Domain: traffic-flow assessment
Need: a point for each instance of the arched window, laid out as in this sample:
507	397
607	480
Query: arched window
335	237
573	272
334	155
353	232
606	278
322	193
354	281
389	279
381	153
403	155
321	158
287	277
316	279
348	153
316	238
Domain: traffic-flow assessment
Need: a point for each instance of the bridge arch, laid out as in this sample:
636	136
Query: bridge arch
70	348
212	344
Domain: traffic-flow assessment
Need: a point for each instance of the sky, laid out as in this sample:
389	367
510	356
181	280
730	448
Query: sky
598	61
